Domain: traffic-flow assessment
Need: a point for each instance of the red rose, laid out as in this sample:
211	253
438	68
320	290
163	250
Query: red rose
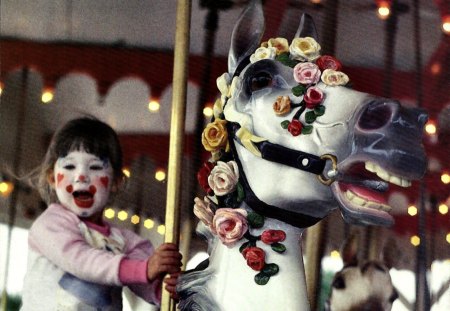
273	236
328	62
313	97
295	127
255	257
202	176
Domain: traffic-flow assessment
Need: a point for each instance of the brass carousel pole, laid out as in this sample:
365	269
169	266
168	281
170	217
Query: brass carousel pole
179	91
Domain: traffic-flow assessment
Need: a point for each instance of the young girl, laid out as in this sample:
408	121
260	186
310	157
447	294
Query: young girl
76	260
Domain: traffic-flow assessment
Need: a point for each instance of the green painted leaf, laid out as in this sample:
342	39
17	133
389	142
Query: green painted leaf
310	117
262	278
319	110
255	220
285	60
278	247
307	129
244	246
240	192
285	124
270	269
298	90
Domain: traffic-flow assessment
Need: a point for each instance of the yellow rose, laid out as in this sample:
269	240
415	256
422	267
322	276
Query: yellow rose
215	135
332	77
282	105
281	44
305	49
263	53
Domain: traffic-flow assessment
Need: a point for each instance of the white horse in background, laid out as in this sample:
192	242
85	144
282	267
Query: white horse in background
363	285
289	143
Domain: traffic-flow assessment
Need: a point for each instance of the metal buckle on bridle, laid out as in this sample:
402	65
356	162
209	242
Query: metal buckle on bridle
329	179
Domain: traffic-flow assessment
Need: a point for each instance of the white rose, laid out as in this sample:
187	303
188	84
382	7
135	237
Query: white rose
263	53
224	177
223	83
332	77
304	49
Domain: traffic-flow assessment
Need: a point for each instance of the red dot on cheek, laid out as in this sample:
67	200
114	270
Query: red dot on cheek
105	181
92	189
69	188
59	177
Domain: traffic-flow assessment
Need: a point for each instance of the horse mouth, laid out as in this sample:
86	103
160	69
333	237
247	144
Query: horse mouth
361	188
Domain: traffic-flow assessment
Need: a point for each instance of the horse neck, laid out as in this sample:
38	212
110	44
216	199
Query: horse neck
234	283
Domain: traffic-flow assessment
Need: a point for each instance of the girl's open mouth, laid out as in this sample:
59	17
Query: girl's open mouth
83	198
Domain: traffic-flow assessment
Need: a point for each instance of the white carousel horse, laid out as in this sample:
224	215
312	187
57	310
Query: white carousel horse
270	135
363	285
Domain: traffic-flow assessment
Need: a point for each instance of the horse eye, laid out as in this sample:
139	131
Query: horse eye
260	81
338	282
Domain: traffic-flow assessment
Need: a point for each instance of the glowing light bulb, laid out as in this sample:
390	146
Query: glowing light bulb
47	96
445	178
109	213
443	209
335	254
208	111
448	238
446	24
135	219
160	175
430	128
415	240
384	9
6	188
412	210
149	223
153	105
122	215
161	229
126	172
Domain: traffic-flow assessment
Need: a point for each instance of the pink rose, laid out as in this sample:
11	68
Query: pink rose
307	73
328	62
273	236
313	97
295	127
230	225
255	257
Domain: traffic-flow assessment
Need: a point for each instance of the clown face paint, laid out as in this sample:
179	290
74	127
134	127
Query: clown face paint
83	182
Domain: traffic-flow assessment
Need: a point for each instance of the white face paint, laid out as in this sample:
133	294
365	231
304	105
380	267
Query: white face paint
83	182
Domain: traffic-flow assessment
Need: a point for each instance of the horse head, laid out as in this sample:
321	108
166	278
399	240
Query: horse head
290	116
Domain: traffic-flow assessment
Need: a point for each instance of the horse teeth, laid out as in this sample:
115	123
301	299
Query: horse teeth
354	198
396	180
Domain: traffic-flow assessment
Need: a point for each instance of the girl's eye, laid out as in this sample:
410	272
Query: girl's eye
259	81
69	167
96	167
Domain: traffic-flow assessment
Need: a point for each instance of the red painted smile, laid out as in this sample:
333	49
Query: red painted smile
85	198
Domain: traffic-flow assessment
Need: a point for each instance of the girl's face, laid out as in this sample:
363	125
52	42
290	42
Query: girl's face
83	182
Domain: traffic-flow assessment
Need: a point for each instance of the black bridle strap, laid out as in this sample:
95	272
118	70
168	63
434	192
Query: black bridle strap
293	218
293	158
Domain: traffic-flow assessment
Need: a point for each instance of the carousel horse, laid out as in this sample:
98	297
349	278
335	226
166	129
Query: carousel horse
363	285
289	143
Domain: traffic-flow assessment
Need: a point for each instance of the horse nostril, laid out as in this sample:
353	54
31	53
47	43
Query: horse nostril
376	115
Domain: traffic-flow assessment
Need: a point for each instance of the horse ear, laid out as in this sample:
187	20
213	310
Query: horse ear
307	28
246	34
349	250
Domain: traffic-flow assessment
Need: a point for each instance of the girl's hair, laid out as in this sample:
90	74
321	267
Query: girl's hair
88	134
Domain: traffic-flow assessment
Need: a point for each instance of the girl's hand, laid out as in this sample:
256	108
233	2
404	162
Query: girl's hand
170	285
166	259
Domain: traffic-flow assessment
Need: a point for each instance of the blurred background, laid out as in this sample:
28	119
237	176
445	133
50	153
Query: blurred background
60	59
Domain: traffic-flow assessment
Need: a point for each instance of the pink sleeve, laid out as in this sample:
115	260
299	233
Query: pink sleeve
56	235
133	268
